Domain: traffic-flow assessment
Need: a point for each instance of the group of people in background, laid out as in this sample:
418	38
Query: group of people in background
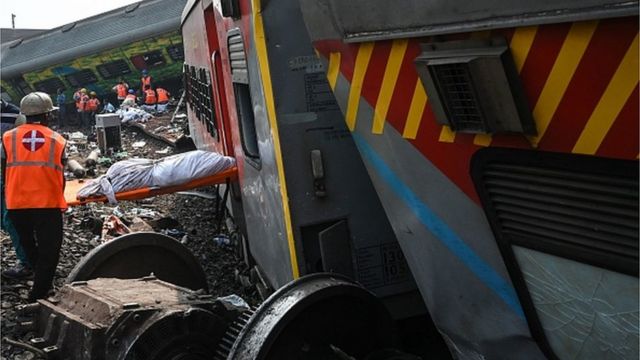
152	99
87	104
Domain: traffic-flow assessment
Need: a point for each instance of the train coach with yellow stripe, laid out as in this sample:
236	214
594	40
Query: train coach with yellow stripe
486	150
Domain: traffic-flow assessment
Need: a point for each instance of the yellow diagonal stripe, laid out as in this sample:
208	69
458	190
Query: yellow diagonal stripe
389	81
562	71
446	134
611	103
362	62
265	74
482	139
418	102
334	69
520	46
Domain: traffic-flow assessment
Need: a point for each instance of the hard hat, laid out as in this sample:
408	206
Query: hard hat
93	93
144	72
83	90
131	91
36	103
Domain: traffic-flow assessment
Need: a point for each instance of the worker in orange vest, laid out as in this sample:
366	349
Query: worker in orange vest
81	106
93	104
150	99
163	99
121	89
33	159
145	80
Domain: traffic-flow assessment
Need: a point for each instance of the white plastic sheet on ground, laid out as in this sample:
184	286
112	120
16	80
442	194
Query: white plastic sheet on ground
128	114
139	173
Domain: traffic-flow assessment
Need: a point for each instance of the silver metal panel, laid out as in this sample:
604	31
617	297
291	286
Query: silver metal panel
262	201
98	33
586	312
361	20
476	321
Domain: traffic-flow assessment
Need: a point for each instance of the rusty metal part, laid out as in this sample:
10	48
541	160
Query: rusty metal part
320	316
130	319
139	254
92	159
77	169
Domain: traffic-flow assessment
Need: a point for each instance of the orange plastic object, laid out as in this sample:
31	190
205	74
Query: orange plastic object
72	188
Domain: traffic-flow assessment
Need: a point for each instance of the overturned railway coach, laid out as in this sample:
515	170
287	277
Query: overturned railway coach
95	52
487	157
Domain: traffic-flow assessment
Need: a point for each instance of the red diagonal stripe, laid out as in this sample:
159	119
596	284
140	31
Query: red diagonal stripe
622	139
603	55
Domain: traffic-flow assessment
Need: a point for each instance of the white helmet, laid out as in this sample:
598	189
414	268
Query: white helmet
36	103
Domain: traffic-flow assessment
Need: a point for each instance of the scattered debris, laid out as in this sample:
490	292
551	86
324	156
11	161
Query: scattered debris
138	144
78	170
192	219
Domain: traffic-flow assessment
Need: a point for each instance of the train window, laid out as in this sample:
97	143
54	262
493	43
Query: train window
148	60
113	69
49	86
81	78
176	52
21	86
244	105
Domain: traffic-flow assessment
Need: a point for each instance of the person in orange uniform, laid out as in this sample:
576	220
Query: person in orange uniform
163	99
33	159
93	104
146	80
121	89
150	99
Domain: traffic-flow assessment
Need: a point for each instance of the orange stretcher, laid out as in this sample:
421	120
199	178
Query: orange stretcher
72	187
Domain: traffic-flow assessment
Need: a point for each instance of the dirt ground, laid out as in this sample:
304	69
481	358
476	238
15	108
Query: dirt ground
195	214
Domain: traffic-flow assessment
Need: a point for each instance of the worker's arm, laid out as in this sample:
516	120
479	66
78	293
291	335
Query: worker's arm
3	164
63	160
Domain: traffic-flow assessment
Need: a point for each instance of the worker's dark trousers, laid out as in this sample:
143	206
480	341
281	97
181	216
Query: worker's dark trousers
43	249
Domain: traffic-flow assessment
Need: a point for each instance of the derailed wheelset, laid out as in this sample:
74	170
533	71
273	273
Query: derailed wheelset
110	310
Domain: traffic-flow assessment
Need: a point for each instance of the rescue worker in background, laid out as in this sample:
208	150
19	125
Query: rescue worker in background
93	105
81	105
77	96
130	100
149	99
146	80
33	159
11	118
163	99
61	99
121	89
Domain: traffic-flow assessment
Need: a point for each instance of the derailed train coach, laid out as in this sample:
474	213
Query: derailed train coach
500	143
94	53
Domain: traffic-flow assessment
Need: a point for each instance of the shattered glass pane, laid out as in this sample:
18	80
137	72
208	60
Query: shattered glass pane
586	312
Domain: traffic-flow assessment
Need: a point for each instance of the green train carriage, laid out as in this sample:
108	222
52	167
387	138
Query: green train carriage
94	53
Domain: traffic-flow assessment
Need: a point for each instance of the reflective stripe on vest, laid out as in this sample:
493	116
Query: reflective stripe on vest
34	173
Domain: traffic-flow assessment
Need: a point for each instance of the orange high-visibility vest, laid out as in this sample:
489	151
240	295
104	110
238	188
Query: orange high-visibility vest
145	80
92	104
149	97
121	90
34	173
163	95
82	104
